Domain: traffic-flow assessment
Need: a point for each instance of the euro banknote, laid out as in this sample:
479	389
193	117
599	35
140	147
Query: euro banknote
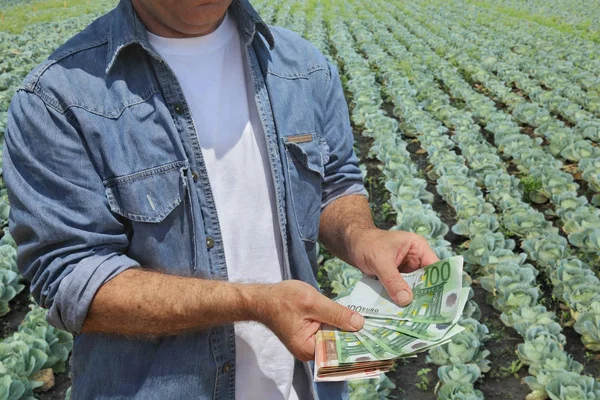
436	295
390	331
421	330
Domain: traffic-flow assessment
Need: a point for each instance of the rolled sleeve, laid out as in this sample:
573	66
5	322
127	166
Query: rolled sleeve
344	190
76	290
342	175
68	241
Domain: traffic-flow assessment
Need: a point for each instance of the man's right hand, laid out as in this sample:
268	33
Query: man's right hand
294	311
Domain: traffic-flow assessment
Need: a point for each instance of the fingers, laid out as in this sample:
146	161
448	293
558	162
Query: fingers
395	285
332	313
419	255
428	256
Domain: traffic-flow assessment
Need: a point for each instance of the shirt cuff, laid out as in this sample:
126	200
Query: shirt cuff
342	190
77	289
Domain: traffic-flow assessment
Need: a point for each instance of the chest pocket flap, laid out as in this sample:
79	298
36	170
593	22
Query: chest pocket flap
310	150
307	155
148	195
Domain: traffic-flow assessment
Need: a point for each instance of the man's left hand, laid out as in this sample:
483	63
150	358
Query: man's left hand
387	253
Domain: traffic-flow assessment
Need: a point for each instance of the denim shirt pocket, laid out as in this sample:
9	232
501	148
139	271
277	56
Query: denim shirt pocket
306	156
148	195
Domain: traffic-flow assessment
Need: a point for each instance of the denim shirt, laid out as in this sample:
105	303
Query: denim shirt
105	173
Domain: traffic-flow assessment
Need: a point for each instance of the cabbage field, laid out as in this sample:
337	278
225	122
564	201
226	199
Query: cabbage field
478	126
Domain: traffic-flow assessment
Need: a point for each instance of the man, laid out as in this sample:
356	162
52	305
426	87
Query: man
170	170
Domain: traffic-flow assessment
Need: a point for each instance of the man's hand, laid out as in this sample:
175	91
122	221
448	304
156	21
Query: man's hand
387	253
294	311
347	230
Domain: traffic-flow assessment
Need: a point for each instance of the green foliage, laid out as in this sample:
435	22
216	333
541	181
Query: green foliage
371	389
9	287
459	392
14	388
22	359
424	383
20	16
533	189
342	276
59	343
513	369
572	386
459	374
588	326
464	348
526	317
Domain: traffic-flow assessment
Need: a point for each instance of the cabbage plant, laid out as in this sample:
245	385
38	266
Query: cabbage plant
459	392
572	386
21	359
588	326
459	374
59	342
371	389
342	276
464	348
9	287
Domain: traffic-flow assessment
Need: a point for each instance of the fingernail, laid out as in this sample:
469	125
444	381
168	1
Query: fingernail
403	297
357	321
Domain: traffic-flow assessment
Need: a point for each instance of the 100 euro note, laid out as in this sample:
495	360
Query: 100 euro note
436	295
399	344
421	330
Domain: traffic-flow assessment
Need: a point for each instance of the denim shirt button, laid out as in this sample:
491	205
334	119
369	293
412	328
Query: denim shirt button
178	108
210	242
195	176
226	368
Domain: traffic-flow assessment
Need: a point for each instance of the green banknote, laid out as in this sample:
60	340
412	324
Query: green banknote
400	344
436	295
421	330
350	349
374	347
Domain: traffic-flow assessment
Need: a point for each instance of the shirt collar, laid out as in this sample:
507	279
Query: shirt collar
126	28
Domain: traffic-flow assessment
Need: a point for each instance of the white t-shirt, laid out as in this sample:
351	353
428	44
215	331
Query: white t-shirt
212	73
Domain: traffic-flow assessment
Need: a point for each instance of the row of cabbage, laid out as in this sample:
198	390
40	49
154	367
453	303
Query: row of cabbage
488	68
463	360
510	281
23	16
11	3
10	284
35	347
583	55
549	57
479	62
580	219
572	365
581	17
518	48
30	354
553	183
542	242
580	294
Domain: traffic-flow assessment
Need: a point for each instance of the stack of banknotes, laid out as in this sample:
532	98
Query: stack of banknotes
392	331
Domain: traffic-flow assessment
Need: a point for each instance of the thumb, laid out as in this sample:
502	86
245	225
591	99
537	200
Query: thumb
335	314
395	285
